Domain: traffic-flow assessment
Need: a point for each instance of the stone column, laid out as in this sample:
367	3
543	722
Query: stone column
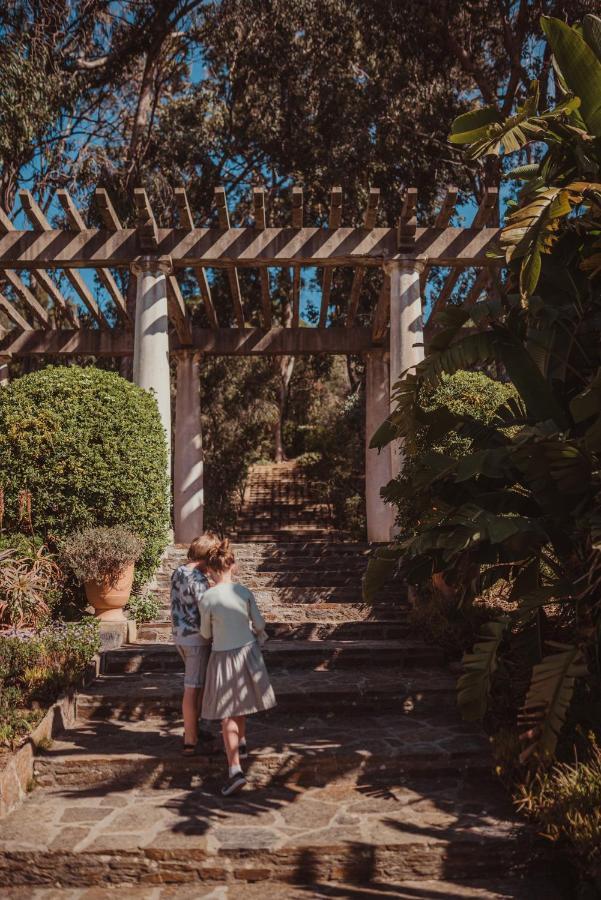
380	516
188	489
406	330
151	338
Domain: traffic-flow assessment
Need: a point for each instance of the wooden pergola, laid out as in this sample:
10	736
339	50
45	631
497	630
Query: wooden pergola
392	341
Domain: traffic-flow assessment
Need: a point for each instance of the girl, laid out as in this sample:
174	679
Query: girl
237	683
188	585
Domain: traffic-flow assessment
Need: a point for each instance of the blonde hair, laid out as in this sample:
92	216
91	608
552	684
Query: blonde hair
201	546
221	557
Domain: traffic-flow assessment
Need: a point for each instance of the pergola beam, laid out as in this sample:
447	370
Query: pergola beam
15	316
232	274
177	310
447	208
382	311
27	296
297	222
278	341
105	276
186	221
334	220
146	223
359	273
407	229
261	225
106	210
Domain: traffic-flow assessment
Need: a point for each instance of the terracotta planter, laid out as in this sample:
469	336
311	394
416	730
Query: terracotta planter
109	599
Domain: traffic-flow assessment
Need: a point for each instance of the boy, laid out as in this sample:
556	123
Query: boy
188	585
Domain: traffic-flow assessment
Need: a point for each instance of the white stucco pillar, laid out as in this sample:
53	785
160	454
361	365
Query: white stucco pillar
4	376
151	337
188	487
380	516
406	330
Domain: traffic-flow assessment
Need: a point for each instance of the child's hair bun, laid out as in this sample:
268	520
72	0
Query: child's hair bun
220	556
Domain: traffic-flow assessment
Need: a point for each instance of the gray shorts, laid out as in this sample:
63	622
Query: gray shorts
196	660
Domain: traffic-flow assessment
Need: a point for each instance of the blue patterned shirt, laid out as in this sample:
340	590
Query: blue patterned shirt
188	585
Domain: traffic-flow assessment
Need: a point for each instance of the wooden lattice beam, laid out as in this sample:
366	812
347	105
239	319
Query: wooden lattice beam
486	208
177	310
186	221
278	341
447	208
369	222
297	222
232	273
334	220
407	229
40	224
382	311
13	314
145	221
105	276
106	210
261	225
26	295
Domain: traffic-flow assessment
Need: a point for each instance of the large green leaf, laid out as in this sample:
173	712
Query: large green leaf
580	68
473	125
548	699
591	32
380	568
479	666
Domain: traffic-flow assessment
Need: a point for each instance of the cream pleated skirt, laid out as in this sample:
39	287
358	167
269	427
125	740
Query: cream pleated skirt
236	683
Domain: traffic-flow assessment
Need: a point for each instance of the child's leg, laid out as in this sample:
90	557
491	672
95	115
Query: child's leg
241	728
190	713
230	728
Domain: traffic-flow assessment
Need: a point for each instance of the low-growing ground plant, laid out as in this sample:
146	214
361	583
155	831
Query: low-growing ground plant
144	607
29	587
36	666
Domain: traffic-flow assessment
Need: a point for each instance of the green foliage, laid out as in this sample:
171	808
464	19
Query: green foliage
518	506
89	448
565	805
36	667
479	666
144	607
101	554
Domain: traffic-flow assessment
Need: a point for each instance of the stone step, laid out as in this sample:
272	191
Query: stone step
296	750
425	827
252	549
256	579
414	691
267	598
384	629
316	654
294	535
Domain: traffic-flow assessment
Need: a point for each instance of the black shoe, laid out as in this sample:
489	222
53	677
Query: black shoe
243	751
233	785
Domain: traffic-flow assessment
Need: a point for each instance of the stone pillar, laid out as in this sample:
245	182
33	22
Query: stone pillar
4	376
151	338
406	330
380	516
188	489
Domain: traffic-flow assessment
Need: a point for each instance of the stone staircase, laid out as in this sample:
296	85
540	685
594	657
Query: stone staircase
281	504
363	782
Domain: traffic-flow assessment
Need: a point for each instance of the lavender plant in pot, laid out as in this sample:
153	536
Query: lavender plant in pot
104	560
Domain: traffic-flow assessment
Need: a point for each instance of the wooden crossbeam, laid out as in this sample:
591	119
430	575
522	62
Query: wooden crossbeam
486	208
106	210
40	223
47	284
334	221
261	225
14	315
27	296
177	310
446	291
145	221
477	287
408	221
447	208
43	279
183	209
297	222
246	247
232	274
280	341
382	313
186	221
369	222
77	223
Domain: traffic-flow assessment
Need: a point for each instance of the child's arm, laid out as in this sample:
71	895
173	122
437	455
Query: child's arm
258	622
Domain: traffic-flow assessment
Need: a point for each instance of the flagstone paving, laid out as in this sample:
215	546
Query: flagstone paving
363	782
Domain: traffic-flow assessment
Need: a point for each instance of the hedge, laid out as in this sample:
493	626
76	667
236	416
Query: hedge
90	448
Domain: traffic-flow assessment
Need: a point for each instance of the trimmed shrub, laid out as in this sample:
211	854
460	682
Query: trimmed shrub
88	448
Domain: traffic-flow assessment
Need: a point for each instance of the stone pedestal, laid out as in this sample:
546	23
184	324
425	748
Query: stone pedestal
151	338
188	488
406	330
380	516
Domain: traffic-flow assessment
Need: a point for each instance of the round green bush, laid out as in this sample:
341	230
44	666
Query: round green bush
90	448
